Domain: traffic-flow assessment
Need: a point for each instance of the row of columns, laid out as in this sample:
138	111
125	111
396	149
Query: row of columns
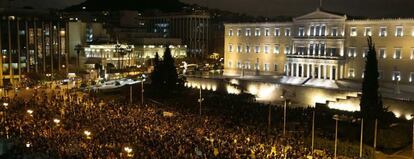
306	70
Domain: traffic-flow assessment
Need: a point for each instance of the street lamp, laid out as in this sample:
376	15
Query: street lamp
128	150
284	114
361	138
313	128
88	134
30	112
336	118
57	121
200	100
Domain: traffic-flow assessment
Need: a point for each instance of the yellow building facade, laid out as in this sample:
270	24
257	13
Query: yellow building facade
321	45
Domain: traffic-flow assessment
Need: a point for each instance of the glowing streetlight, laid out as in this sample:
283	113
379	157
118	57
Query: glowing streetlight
5	104
336	118
128	150
28	144
30	112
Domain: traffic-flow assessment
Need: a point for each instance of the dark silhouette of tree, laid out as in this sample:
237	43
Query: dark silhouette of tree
370	104
156	73
169	71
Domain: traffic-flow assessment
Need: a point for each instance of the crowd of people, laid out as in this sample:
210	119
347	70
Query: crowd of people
61	124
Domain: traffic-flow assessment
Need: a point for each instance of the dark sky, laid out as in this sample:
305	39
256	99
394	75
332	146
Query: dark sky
370	8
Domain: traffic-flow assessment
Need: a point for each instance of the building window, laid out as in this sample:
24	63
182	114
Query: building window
266	67
287	32
247	49
396	76
230	47
399	31
257	32
277	31
367	31
301	31
312	30
247	65
276	49
383	53
397	53
267	32
231	32
411	77
266	49
287	49
351	73
364	52
257	49
334	31
238	64
352	52
238	32
248	32
275	67
412	54
256	66
383	32
229	64
239	48
323	30
353	31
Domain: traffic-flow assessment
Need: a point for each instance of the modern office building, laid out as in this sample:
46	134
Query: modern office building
321	45
31	41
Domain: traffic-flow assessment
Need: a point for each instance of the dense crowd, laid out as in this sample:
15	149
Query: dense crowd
59	124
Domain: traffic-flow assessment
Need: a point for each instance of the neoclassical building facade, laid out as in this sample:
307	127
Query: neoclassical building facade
321	45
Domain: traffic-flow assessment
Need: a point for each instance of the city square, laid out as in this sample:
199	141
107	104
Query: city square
183	79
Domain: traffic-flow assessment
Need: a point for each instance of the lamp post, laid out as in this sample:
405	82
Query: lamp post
142	91
361	138
336	118
313	129
200	100
375	135
284	115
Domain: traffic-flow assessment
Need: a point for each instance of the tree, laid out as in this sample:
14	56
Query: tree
156	73
370	104
169	71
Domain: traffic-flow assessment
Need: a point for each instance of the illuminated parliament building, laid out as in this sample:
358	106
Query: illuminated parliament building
321	45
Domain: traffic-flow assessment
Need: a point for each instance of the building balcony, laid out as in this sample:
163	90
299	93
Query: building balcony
315	57
319	37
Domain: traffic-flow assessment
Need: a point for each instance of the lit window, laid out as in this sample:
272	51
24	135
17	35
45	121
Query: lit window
238	32
353	31
287	32
257	32
383	32
287	49
266	67
364	52
334	31
368	31
266	49
352	52
247	65
229	64
323	30
397	53
412	54
247	49
248	32
231	32
256	66
239	48
301	31
277	32
351	73
411	77
267	32
230	47
383	53
276	49
396	76
399	31
257	49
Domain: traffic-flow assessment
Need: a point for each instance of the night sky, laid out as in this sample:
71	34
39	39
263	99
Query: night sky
370	8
